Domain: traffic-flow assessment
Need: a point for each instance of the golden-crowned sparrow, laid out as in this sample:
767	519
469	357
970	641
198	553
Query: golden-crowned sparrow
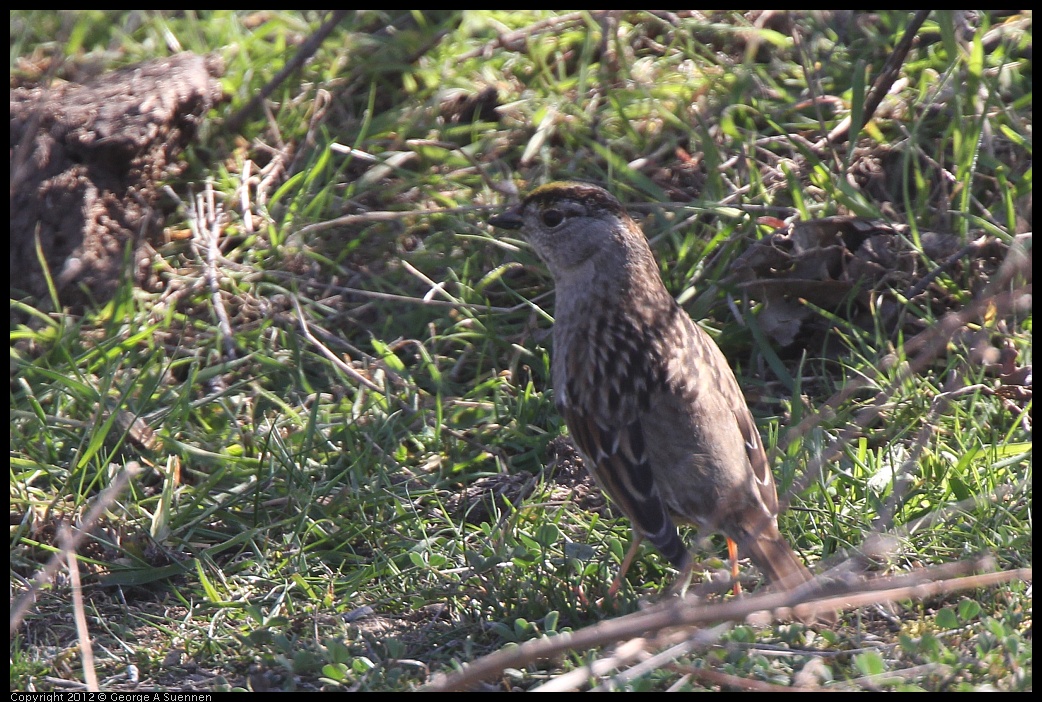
648	397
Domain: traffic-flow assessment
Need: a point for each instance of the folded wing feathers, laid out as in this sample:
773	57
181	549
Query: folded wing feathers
618	462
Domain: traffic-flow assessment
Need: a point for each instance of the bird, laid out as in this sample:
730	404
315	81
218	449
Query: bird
648	397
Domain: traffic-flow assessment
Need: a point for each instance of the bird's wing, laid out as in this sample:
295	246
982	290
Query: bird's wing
701	438
762	475
618	461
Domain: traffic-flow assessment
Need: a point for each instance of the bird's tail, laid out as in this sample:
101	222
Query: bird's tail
783	568
772	555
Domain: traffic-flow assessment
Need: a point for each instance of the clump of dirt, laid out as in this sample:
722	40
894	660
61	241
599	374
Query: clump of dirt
86	161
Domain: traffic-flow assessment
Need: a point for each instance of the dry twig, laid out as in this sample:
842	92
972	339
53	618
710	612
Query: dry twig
884	80
307	49
101	504
671	621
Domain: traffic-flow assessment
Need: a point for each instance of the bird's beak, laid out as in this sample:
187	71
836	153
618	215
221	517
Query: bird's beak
511	219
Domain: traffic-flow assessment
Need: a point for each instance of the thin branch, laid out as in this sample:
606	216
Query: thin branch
971	248
394	297
101	504
736	682
884	81
699	639
206	219
335	360
90	675
804	602
556	24
384	216
307	49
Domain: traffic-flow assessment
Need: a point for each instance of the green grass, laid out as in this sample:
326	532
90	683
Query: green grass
300	525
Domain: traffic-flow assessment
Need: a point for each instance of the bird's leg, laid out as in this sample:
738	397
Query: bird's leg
732	553
630	555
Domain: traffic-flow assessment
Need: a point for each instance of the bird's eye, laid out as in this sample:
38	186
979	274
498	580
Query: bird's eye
552	218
